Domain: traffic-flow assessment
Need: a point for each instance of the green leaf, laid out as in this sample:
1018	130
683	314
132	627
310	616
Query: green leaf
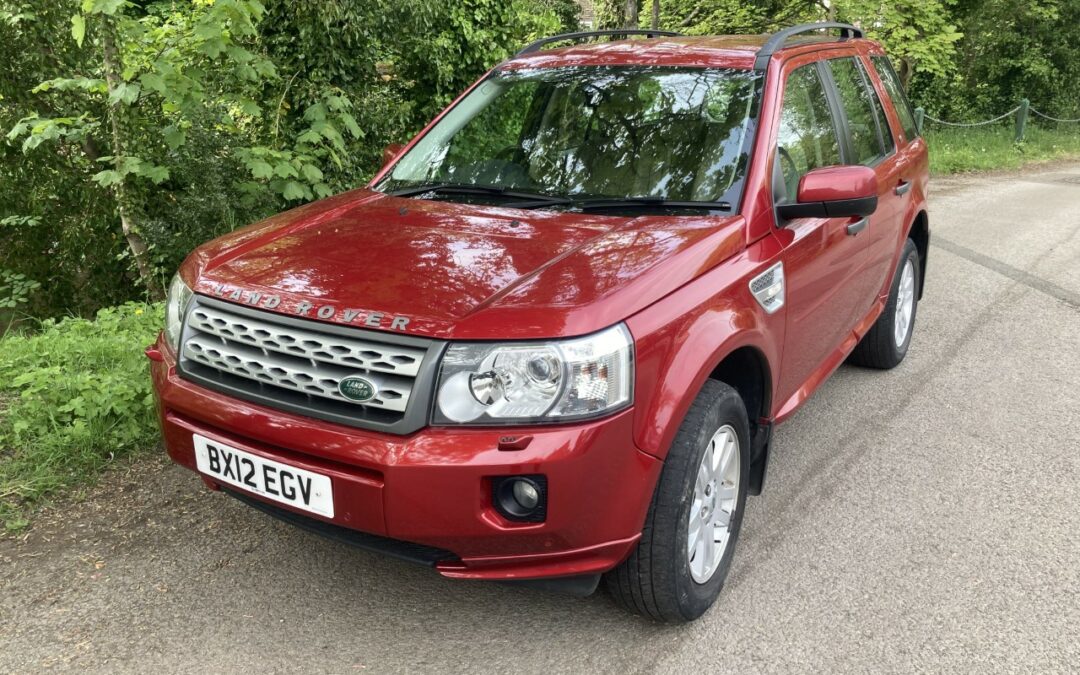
78	28
154	82
174	137
293	190
157	174
312	173
125	92
351	125
108	178
285	170
106	7
261	169
309	137
315	113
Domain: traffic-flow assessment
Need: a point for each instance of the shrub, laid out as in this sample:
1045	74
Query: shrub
74	396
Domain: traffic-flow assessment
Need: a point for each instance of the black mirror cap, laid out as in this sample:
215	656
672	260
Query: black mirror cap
840	208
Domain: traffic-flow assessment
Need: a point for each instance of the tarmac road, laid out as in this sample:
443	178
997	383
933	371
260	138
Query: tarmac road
926	518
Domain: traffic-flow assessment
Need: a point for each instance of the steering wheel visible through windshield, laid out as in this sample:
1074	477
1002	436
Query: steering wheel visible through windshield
673	134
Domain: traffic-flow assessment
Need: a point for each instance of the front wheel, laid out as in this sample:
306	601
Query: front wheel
886	343
679	566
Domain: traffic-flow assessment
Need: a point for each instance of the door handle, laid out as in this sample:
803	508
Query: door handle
858	226
902	188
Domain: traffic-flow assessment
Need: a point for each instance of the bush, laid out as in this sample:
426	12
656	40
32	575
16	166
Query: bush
74	396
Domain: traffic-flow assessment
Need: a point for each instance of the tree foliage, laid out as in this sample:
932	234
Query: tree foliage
132	130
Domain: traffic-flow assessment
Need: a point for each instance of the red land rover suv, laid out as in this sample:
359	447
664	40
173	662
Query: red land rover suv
550	340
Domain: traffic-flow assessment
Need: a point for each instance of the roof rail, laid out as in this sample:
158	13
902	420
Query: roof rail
535	46
776	42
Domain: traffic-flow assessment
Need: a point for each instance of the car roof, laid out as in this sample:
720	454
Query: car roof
717	51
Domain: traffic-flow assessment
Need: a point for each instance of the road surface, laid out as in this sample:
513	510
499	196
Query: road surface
926	518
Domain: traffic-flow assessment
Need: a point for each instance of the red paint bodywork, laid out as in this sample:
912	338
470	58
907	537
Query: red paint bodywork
487	273
834	183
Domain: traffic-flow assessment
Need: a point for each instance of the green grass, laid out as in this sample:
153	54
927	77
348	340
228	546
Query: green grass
989	148
74	396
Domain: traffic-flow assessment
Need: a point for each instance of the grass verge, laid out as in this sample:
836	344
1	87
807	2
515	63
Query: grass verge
990	148
74	396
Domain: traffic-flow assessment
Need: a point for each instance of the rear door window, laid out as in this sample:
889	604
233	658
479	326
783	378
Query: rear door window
857	101
900	102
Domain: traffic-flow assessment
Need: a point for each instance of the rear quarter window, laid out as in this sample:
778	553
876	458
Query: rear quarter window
900	102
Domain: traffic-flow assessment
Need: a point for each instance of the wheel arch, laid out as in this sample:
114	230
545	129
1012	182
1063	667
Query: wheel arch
747	370
919	233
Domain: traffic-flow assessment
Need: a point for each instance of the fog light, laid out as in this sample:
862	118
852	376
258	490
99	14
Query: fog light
526	494
521	498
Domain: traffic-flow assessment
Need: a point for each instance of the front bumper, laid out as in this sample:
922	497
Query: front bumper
432	487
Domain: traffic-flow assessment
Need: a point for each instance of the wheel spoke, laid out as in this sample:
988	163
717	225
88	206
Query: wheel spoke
708	551
703	478
728	455
694	536
701	552
724	492
721	517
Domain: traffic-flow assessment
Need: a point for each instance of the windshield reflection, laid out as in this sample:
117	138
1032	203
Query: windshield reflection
594	132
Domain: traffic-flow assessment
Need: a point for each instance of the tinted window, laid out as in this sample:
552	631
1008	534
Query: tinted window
807	137
891	80
879	112
859	108
599	132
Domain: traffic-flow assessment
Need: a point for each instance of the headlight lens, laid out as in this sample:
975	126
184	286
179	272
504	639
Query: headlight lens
175	306
483	383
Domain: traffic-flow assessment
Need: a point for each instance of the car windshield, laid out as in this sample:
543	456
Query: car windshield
678	134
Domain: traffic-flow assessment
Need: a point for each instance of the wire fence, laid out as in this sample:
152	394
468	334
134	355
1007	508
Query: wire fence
1021	111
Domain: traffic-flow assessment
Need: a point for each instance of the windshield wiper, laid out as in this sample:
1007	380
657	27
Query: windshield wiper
607	203
528	199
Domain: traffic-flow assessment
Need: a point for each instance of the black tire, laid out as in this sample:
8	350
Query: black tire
878	348
655	579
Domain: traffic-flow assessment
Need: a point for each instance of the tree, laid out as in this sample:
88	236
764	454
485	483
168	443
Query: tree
918	34
168	62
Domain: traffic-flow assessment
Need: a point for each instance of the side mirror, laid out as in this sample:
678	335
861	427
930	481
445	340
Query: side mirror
390	152
834	192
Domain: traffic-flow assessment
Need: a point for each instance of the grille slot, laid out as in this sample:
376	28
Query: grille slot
297	364
307	344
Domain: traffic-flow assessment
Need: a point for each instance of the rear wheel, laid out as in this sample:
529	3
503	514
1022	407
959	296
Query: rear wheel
686	547
886	343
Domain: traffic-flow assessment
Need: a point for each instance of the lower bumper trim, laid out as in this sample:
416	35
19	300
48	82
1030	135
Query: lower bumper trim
402	550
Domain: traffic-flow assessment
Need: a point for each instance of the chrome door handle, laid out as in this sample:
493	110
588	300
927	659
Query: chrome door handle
902	188
858	226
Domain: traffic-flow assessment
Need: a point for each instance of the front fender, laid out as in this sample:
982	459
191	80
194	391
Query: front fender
681	339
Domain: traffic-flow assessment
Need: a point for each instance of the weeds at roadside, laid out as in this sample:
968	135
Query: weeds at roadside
74	396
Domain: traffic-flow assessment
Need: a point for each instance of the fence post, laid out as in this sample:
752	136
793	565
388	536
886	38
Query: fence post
920	112
1021	118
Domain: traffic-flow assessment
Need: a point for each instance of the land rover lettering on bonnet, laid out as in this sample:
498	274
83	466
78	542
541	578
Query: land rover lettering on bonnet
550	341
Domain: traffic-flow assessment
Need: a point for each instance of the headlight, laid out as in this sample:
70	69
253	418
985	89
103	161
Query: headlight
483	383
175	306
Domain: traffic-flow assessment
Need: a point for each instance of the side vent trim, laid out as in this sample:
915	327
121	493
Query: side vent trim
768	288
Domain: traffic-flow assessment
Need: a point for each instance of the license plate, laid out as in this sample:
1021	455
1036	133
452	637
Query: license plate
267	478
